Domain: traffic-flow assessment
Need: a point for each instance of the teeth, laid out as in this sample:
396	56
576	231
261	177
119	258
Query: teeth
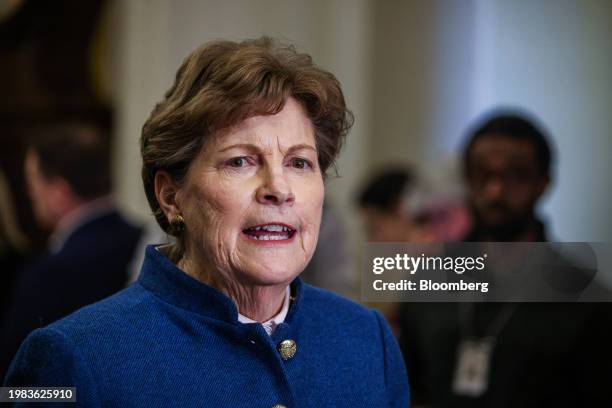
273	228
271	237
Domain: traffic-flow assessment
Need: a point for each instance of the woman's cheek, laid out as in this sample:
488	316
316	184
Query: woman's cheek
311	225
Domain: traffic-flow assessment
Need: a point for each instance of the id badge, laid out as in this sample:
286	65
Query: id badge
472	369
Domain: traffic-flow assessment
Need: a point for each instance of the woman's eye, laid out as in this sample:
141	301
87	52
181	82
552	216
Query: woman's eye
237	162
300	163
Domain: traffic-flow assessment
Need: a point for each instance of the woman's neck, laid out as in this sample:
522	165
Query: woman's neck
257	302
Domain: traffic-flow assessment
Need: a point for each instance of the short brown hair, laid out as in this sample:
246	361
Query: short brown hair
223	83
77	152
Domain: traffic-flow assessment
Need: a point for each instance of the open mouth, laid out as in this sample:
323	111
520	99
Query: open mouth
270	232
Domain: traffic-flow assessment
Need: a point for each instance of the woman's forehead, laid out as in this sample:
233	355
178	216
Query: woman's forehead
281	131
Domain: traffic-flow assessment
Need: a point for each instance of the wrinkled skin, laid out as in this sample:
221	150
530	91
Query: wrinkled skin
263	171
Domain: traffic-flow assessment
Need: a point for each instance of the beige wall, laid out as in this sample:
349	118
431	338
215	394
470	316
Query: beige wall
415	74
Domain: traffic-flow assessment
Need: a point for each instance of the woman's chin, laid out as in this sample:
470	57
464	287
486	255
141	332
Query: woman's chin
274	253
268	274
269	263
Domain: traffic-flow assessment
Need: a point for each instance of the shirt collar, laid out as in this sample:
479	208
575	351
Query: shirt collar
77	218
270	325
165	280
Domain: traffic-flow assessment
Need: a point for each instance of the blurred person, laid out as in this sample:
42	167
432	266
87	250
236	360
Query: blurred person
386	207
507	354
384	204
395	207
234	162
439	201
67	170
507	165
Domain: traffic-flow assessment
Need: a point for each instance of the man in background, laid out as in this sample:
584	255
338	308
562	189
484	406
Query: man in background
384	208
507	354
507	166
396	206
67	171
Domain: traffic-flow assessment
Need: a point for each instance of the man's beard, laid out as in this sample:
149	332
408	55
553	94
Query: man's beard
511	230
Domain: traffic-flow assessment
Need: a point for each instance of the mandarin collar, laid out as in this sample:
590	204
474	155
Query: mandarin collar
162	277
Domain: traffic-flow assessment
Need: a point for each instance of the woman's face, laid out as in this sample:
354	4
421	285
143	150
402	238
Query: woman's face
253	198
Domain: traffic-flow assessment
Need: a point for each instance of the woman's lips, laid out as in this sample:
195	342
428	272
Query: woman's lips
270	233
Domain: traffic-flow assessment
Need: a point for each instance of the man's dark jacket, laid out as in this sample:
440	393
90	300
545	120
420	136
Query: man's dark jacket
91	265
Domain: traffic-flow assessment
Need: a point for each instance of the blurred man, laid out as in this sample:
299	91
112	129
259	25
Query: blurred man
507	166
68	174
507	354
396	208
384	208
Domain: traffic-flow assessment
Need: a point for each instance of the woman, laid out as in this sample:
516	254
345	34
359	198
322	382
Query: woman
234	160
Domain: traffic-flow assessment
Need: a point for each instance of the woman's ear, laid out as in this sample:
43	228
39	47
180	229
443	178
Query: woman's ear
165	192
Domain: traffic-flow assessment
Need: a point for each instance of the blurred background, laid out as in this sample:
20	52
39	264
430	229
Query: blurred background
417	74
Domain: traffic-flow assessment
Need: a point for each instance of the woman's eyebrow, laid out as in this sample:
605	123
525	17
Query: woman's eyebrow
246	146
302	146
255	148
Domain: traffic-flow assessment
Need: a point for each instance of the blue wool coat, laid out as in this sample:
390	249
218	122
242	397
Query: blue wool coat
170	341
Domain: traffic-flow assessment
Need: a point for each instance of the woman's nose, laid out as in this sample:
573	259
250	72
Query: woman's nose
275	189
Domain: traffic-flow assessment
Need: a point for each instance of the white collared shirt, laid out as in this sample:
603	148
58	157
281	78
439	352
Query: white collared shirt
270	325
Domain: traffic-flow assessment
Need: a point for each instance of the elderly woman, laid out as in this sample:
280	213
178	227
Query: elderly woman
234	161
